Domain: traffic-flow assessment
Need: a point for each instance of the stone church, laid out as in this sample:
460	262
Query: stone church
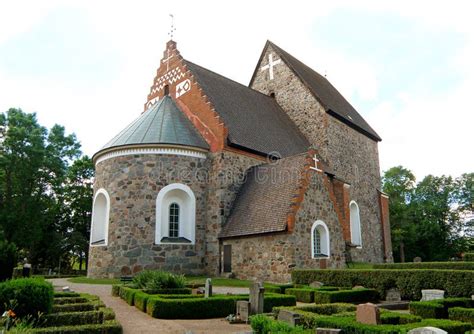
218	178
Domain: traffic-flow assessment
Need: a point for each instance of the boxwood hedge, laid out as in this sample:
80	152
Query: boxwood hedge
438	309
468	257
460	265
108	327
304	295
73	318
78	307
462	314
410	282
345	296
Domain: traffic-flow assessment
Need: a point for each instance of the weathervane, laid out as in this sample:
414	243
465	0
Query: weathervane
173	29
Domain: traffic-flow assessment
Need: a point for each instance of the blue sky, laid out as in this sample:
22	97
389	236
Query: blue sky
407	69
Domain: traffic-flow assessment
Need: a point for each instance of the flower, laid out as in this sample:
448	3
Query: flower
11	314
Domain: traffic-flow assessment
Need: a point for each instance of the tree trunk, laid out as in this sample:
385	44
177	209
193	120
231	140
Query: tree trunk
402	251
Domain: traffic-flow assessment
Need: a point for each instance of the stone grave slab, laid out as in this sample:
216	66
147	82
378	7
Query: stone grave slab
431	294
393	295
256	298
316	284
321	330
427	330
368	314
208	288
243	310
417	259
290	317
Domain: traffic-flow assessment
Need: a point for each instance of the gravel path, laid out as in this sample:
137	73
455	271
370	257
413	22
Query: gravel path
134	321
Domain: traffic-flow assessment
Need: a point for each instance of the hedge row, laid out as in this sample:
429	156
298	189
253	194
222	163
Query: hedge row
468	257
175	291
73	318
66	294
438	308
32	295
262	324
410	282
346	296
461	265
324	309
69	300
78	307
108	327
462	314
305	294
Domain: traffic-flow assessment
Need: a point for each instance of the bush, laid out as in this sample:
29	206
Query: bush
438	309
115	290
273	300
70	300
396	318
176	291
304	295
261	324
323	309
158	280
461	314
32	295
109	314
345	296
140	300
272	289
79	307
66	294
468	257
456	283
8	259
73	318
461	265
128	294
108	327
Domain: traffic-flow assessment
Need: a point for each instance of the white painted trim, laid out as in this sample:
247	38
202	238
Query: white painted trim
328	239
159	213
156	150
107	216
351	223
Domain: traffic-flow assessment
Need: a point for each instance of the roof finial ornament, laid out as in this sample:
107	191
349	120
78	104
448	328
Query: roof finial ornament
172	29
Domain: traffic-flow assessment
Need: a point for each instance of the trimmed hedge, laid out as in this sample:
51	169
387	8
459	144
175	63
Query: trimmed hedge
468	257
345	296
324	309
176	291
69	300
73	318
438	308
460	265
128	294
410	282
79	307
303	295
66	294
140	300
396	318
261	324
461	314
202	308
108	327
115	290
272	289
32	295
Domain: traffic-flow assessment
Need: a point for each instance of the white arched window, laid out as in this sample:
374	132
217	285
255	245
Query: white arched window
175	215
100	218
320	240
356	234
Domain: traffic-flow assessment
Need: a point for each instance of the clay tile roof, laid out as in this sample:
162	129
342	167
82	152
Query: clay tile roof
265	199
162	123
255	121
333	101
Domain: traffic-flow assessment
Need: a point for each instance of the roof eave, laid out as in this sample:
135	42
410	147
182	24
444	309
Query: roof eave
354	126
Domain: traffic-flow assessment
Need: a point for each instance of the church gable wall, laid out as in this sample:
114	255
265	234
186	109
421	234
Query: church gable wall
133	183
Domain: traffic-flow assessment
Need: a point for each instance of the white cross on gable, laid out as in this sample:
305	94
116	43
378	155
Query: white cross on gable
270	65
316	160
167	60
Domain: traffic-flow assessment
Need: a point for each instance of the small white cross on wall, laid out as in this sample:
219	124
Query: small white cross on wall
270	65
167	60
316	160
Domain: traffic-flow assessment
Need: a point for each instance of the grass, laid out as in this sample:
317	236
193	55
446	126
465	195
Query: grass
359	265
86	280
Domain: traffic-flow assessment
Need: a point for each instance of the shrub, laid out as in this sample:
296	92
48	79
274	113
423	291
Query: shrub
461	314
323	309
108	327
176	291
437	309
140	300
32	295
261	324
79	307
8	259
70	300
284	286
347	296
456	283
115	290
158	280
128	294
461	265
272	300
468	257
109	314
272	289
66	294
396	318
304	295
73	318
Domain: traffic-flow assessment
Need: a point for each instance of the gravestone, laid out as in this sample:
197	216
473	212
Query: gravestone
321	330
431	294
368	314
291	318
472	297
357	287
316	284
256	298
393	295
243	310
417	259
208	288
427	330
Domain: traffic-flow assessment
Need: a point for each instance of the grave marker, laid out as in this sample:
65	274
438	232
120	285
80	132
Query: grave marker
393	295
256	298
208	288
291	318
427	330
431	294
368	314
243	310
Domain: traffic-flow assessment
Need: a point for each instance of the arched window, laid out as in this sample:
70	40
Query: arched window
175	215
100	218
320	246
174	220
356	235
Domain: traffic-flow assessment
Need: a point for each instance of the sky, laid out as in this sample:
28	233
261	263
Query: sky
407	67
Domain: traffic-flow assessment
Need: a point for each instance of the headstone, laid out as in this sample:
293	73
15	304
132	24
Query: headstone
256	298
243	310
291	318
368	314
393	295
472	297
321	330
66	289
417	259
200	290
208	288
316	284
431	294
357	287
427	330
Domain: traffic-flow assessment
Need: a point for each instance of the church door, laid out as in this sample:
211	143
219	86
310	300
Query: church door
227	258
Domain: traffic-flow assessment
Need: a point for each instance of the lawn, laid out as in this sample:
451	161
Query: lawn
86	280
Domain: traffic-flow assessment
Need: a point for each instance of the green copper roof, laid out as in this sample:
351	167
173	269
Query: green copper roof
163	123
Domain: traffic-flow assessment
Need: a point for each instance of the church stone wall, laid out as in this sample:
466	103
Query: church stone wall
133	183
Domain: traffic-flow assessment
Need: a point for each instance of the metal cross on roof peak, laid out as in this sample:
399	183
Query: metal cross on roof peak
172	28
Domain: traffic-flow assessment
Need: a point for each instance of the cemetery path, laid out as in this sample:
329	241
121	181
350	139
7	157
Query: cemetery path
136	322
